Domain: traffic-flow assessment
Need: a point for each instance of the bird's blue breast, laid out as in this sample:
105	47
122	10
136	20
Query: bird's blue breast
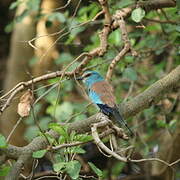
96	98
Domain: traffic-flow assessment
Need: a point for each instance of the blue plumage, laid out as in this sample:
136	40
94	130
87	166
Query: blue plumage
101	93
91	77
95	97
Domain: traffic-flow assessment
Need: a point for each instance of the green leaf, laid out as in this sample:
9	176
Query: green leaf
129	59
63	111
14	4
44	121
77	150
33	4
22	15
3	143
117	168
178	6
59	129
172	123
61	140
31	132
9	27
57	16
59	158
59	166
4	170
73	168
148	113
95	169
73	66
64	58
50	138
130	73
137	14
115	38
161	123
72	135
80	117
74	28
178	28
124	3
88	12
39	154
83	137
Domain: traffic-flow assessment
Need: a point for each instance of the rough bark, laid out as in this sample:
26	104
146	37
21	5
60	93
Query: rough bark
47	48
17	67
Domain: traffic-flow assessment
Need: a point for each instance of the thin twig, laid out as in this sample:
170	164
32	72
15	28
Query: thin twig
155	159
160	21
129	91
14	128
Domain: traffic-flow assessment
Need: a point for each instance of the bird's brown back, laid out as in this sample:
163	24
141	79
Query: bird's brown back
105	90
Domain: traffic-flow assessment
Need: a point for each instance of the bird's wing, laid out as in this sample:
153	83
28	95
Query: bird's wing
105	90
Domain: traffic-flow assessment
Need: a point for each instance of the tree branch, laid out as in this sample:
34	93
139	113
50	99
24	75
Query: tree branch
130	108
125	12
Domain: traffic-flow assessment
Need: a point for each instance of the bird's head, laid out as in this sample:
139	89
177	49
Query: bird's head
90	77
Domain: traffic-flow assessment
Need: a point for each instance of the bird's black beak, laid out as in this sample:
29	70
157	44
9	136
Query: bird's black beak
79	78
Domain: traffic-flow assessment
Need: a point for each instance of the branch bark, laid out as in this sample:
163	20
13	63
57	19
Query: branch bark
130	108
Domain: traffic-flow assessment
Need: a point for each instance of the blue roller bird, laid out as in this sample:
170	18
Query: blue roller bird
101	93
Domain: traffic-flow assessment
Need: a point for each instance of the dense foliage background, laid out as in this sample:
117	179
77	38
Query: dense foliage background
40	37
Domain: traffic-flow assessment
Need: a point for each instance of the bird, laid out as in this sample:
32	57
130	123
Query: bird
100	93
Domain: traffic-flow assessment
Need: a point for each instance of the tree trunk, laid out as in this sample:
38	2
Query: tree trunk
17	67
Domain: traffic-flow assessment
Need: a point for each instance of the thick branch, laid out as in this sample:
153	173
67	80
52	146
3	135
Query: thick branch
130	108
152	94
125	49
125	12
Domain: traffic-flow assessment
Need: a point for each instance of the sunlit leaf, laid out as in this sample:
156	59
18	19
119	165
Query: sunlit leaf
22	15
77	150
9	27
130	73
14	4
73	168
59	129
4	170
3	143
161	123
115	38
31	132
33	4
57	16
62	111
95	169
39	154
137	14
59	166
83	137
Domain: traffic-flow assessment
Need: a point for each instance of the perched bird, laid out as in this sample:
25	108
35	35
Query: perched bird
101	93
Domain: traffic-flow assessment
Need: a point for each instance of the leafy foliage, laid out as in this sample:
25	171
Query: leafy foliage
155	37
3	143
137	14
39	154
96	170
4	170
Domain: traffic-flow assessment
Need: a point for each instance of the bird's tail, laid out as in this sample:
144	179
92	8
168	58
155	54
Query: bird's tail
118	117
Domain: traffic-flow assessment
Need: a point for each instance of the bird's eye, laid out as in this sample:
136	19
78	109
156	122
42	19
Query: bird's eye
87	75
